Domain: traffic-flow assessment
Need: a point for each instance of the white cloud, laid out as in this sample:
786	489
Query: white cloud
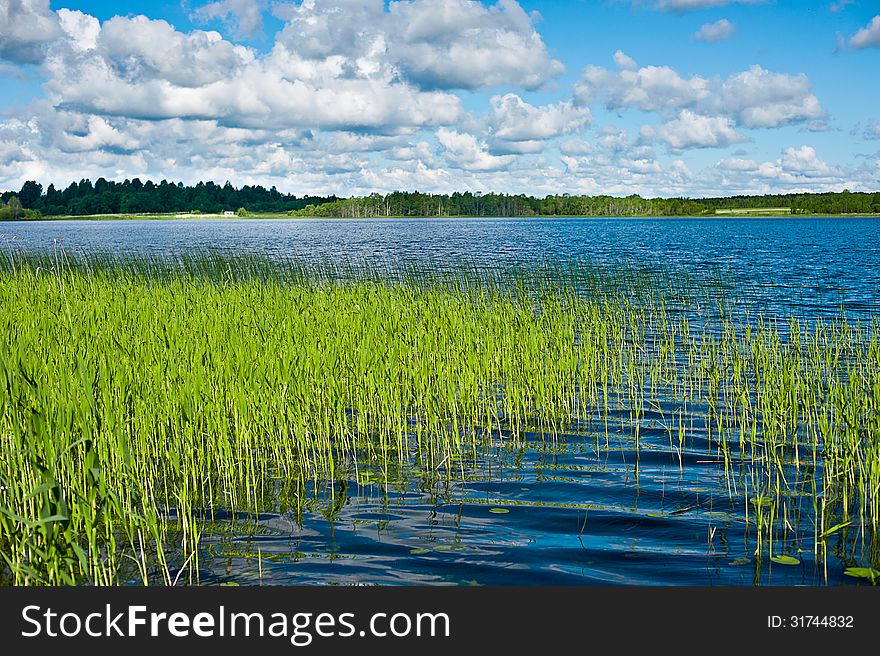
651	88
26	27
518	127
420	152
613	139
797	168
354	96
436	44
81	30
243	17
575	147
643	165
624	61
465	151
720	30
93	133
867	37
201	76
137	50
462	44
805	162
346	64
754	98
761	99
692	130
737	164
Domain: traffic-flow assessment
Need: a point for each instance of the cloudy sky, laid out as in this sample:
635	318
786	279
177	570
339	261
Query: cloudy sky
657	97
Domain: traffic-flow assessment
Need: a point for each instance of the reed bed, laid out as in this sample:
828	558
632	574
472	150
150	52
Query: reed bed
140	398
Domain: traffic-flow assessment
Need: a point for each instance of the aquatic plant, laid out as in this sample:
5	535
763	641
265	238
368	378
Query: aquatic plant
140	398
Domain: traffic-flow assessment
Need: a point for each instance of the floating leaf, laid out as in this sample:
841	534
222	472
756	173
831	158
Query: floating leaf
449	547
864	573
785	560
499	511
419	552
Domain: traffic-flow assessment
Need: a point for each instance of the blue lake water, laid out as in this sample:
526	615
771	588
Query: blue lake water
575	514
810	265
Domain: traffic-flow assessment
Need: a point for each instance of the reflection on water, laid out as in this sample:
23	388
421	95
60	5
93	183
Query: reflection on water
538	510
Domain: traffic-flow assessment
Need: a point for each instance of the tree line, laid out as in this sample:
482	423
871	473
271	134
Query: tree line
136	197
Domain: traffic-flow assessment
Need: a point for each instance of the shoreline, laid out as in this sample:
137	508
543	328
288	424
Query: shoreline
275	215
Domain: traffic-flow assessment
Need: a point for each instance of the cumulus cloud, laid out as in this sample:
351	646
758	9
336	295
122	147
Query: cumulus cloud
348	87
798	167
26	27
462	44
465	151
737	164
518	127
81	30
650	88
692	130
436	44
243	17
93	133
356	96
761	99
575	147
199	75
720	30
867	37
347	64
804	161
754	98
624	61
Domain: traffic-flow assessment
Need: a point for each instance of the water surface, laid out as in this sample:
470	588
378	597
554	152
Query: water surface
575	513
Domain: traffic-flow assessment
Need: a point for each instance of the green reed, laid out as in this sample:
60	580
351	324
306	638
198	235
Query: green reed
139	397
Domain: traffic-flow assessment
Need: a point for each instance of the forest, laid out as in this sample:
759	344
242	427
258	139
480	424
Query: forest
136	197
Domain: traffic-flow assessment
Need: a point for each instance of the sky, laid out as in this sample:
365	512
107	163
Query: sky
351	97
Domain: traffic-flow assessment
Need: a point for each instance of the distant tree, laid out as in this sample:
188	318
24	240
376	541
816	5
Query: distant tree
30	193
11	210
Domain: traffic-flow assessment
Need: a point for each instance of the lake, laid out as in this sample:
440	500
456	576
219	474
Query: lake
530	512
800	265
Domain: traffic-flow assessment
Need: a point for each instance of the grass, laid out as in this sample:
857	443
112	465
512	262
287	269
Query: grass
140	398
759	211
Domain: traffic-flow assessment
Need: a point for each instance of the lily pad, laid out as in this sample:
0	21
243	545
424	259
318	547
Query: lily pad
785	560
499	511
419	552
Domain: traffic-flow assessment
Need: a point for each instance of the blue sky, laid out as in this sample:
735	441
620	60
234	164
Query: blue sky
657	97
